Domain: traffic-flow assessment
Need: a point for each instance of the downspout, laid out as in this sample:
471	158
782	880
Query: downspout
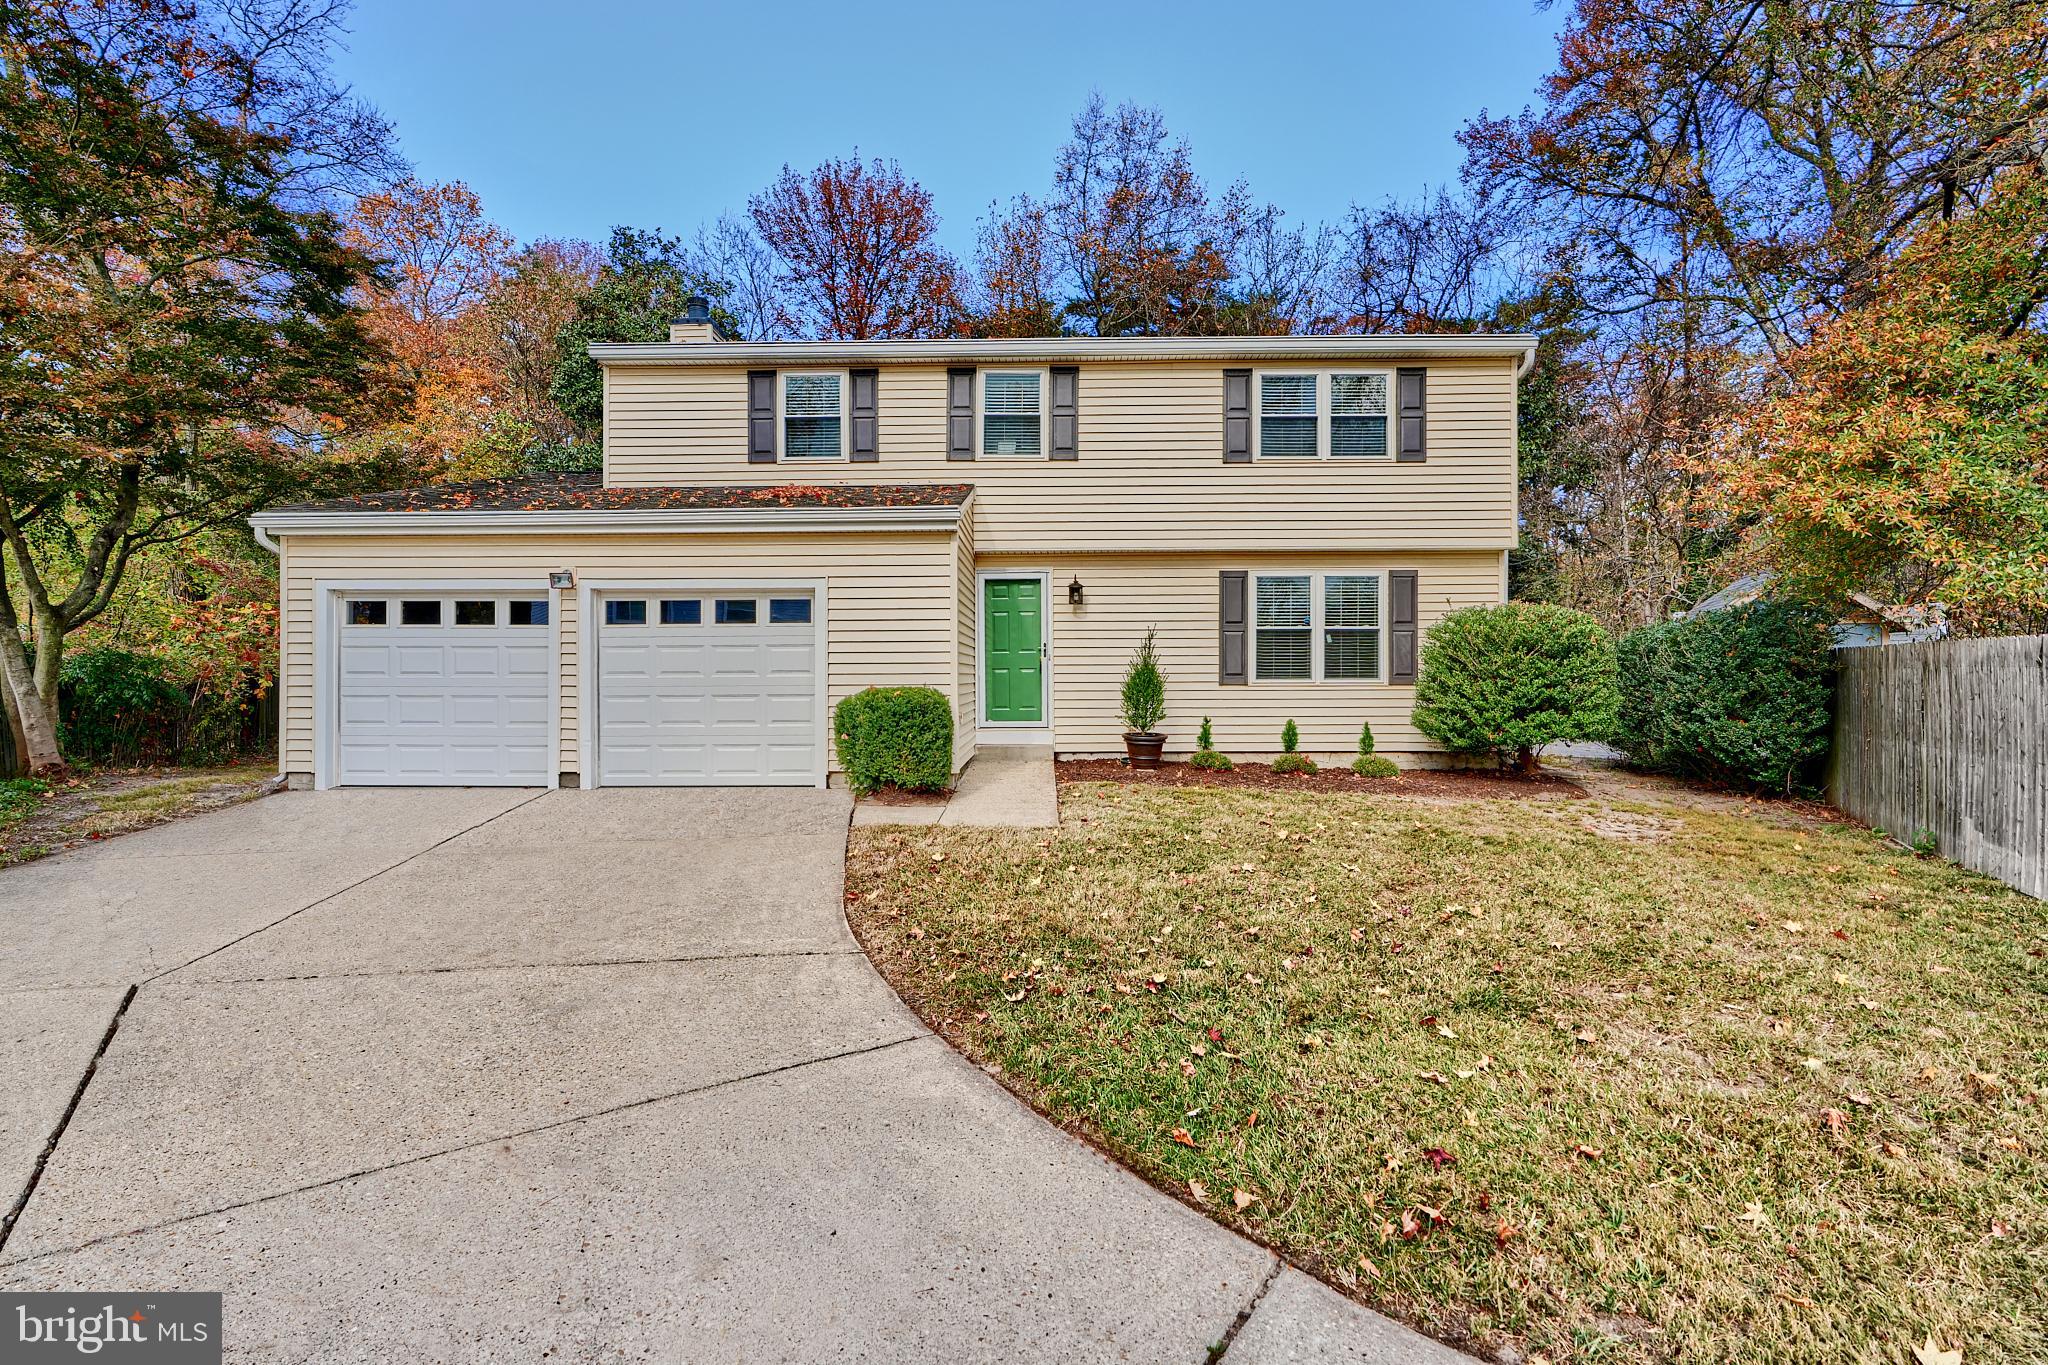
1525	364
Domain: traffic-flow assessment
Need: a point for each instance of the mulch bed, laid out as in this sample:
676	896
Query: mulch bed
1457	784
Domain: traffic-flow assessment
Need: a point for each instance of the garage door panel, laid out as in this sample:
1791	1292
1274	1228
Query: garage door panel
701	703
444	705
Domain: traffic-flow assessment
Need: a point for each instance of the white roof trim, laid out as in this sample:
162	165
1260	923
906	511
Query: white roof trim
939	517
1062	350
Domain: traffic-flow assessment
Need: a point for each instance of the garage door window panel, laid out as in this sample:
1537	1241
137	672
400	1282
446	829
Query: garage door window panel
625	612
368	612
527	612
789	611
737	611
420	612
476	613
683	611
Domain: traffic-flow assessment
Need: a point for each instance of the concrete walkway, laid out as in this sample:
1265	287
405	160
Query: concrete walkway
1002	787
504	1076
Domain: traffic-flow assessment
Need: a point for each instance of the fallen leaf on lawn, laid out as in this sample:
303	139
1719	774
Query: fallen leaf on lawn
1586	1035
1013	999
1200	1049
1368	1267
1036	881
1381	990
1812	1063
1251	1120
1438	1158
1834	1120
1215	1035
1187	1068
1986	1083
1251	980
1183	1137
1841	979
1800	1299
2000	1228
1505	1232
917	933
1242	1199
1753	1213
1445	1030
2011	1143
1435	1077
1358	935
1891	1149
1857	1097
1793	926
938	857
1590	1153
1199	1191
1928	1353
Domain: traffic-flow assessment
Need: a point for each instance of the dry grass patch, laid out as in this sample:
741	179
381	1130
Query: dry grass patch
37	817
1741	1091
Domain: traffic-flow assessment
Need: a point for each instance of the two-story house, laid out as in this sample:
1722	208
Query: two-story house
781	524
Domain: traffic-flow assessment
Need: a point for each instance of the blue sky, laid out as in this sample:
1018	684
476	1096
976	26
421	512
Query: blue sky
568	118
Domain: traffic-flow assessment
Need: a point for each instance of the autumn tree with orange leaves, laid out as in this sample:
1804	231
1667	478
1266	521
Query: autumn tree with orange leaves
859	254
178	337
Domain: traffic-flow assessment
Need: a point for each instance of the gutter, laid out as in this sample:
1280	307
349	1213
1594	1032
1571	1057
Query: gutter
640	520
263	539
1065	350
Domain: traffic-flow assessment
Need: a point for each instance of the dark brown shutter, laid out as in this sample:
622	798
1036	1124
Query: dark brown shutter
1401	620
760	417
1412	388
960	414
1231	660
1066	386
1237	418
863	383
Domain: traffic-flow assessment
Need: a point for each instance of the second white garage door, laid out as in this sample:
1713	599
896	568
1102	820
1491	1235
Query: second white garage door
711	688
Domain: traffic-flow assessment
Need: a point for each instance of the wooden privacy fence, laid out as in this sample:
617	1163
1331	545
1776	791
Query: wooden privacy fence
1950	738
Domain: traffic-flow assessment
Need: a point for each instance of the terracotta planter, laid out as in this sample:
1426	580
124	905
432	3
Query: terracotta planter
1143	749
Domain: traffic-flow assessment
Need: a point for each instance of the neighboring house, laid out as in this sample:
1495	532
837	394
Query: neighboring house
782	524
1864	620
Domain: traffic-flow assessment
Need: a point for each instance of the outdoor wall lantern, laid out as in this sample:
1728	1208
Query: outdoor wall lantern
1074	596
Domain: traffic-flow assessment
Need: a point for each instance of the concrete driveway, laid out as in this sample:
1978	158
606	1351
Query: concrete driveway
475	1075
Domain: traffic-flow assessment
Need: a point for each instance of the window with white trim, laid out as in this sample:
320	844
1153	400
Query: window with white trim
1012	412
1322	414
813	415
1318	627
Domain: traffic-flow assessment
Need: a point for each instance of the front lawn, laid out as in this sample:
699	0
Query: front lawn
1592	1080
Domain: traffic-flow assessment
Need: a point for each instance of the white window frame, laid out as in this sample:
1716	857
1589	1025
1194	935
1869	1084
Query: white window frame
1325	404
981	450
1315	625
782	415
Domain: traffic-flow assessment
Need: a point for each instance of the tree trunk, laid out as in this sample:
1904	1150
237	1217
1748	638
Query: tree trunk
35	712
1526	762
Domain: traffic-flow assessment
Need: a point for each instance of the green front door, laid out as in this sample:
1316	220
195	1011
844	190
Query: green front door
1013	626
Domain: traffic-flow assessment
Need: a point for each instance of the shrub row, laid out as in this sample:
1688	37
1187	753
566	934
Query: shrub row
1743	695
119	706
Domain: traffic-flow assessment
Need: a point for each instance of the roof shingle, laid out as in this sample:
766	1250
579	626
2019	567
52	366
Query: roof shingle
586	492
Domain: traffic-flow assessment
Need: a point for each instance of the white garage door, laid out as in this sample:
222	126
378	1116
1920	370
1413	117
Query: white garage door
711	688
443	690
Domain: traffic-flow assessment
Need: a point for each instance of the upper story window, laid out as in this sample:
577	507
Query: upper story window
813	415
1322	415
1012	412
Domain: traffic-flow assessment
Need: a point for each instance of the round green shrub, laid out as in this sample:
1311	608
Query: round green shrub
1744	695
1507	680
1372	765
1210	759
895	737
1294	763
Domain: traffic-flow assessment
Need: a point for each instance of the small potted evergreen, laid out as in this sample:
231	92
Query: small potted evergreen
1144	706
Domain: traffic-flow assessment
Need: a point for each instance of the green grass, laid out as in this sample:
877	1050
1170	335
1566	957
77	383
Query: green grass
19	798
1748	1092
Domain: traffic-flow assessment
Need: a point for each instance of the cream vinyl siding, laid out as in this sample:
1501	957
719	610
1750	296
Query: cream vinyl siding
967	627
1092	644
890	599
1150	474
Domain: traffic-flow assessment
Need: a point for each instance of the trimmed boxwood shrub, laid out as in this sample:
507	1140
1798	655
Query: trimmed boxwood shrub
1744	695
1508	680
895	737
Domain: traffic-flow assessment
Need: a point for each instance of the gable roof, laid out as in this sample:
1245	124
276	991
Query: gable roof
1518	346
